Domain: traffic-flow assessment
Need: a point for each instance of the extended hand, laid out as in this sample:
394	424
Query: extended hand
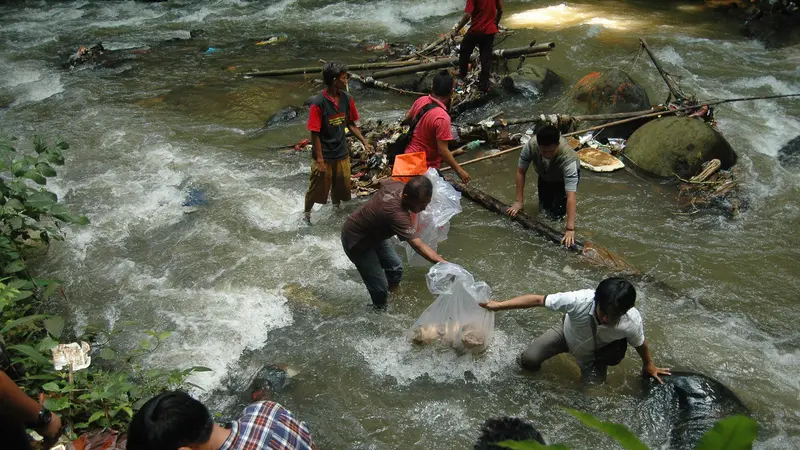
654	371
465	178
569	238
491	305
321	165
514	209
52	431
368	147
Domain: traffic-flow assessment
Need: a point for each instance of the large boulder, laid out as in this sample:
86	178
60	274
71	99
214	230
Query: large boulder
531	80
673	145
789	154
776	23
613	91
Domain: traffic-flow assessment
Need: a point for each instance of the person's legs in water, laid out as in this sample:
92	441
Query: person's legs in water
467	46
485	47
552	199
340	182
549	344
593	373
369	267
391	263
318	188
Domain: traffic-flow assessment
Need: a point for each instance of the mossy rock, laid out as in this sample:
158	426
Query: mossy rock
672	146
531	79
789	154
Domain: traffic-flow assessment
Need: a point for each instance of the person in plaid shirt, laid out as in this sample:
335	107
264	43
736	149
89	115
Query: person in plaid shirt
176	421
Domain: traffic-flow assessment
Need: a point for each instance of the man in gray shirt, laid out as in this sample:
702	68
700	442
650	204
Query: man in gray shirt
559	172
598	326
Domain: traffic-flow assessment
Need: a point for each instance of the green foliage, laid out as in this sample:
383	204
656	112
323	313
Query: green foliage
102	395
731	433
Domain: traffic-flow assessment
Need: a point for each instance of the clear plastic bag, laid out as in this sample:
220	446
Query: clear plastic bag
455	318
433	223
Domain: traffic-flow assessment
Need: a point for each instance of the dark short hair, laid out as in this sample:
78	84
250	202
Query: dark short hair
502	429
331	71
442	85
168	421
418	187
548	135
615	296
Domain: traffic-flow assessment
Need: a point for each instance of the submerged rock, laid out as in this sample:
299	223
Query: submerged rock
285	114
789	154
776	23
613	91
531	79
672	146
687	405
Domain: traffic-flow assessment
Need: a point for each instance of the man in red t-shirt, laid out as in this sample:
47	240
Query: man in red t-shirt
433	131
485	16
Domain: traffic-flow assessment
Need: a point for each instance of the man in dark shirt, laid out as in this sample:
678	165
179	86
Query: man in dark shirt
485	16
366	234
332	110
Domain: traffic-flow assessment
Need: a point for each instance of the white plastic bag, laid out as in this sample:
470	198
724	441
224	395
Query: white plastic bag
455	318
433	223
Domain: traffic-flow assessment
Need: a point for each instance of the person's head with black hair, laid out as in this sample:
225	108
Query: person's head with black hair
170	421
334	74
443	84
613	298
548	138
417	194
502	429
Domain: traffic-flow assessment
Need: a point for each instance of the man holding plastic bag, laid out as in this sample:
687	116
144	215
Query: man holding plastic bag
366	234
597	328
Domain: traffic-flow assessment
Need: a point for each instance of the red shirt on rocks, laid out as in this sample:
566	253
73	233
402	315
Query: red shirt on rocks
484	14
435	125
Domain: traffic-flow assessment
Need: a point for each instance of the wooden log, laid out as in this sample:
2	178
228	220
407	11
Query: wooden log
712	167
369	81
536	50
318	69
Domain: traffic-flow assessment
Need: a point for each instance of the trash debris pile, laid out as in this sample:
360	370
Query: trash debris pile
711	188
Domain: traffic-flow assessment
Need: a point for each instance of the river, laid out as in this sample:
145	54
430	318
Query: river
145	132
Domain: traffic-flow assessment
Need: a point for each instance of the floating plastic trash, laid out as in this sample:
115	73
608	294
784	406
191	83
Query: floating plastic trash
74	354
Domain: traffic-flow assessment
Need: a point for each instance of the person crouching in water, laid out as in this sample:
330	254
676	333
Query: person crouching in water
597	327
366	234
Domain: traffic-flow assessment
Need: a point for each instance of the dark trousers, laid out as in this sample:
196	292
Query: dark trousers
552	198
380	267
552	343
12	434
484	42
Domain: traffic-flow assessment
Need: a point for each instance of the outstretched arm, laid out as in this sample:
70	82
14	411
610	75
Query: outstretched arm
648	365
425	251
523	301
26	409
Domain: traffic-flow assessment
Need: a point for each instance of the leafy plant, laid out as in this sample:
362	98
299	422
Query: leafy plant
731	433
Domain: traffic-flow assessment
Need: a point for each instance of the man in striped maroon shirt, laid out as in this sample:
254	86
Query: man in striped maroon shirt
176	421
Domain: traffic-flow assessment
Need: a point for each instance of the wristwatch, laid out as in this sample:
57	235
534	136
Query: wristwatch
44	418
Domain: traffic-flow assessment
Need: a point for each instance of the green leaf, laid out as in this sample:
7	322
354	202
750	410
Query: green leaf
51	288
22	295
96	416
35	176
57	404
31	353
14	267
39	144
45	169
529	445
62	145
23	321
47	344
68	218
164	335
20	283
41	200
200	369
19	167
620	433
128	410
51	387
80	425
55	326
15	204
107	354
732	433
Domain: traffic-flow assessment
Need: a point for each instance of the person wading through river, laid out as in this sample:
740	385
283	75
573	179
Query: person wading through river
432	132
366	234
332	110
558	169
485	16
597	327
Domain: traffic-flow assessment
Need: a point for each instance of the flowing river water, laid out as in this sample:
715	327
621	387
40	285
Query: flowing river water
242	284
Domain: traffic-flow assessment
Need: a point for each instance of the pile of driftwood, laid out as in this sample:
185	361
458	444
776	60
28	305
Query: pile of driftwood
711	188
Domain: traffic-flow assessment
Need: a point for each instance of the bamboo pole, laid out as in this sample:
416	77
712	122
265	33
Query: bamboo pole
380	84
484	158
673	87
318	69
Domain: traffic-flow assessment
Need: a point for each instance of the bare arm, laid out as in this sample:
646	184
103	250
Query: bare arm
425	251
466	18
317	149
26	409
523	301
517	206
444	151
499	14
357	132
648	365
572	211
